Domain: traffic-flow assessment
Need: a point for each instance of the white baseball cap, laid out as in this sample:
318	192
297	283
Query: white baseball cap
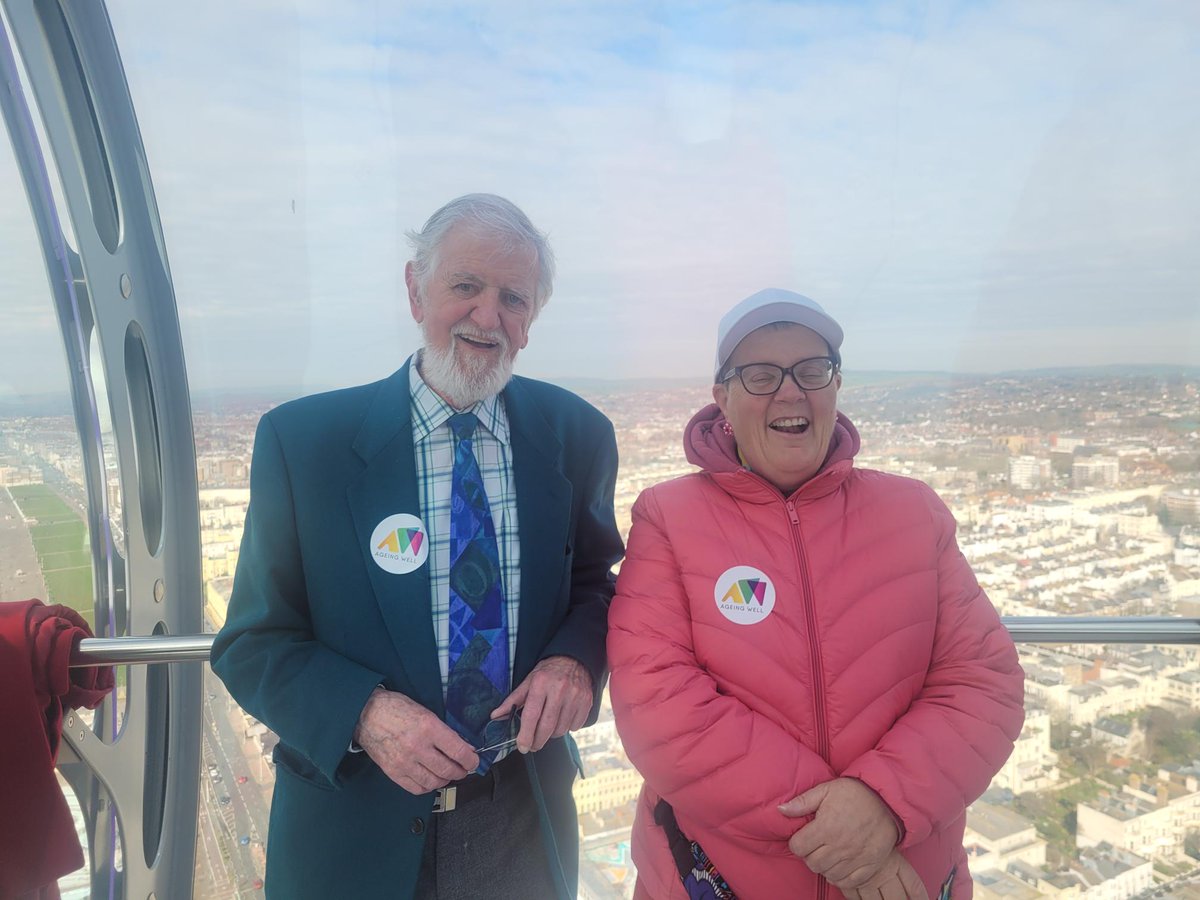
773	305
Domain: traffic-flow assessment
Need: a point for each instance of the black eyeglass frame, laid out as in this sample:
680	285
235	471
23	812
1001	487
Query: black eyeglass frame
783	371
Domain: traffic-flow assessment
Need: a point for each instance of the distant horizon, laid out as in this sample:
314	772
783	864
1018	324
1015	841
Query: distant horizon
12	401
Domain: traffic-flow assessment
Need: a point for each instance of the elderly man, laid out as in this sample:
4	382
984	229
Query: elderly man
423	556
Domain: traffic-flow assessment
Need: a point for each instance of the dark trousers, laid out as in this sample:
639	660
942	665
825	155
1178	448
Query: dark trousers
489	848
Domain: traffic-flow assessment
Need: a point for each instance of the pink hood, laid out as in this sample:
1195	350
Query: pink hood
710	445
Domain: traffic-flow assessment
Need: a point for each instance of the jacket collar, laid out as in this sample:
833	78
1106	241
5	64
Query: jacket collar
389	415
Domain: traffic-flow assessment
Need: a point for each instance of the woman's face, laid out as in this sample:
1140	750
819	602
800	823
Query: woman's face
782	436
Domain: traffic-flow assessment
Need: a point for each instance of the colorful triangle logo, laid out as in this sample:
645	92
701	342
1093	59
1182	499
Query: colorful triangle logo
410	538
745	590
404	540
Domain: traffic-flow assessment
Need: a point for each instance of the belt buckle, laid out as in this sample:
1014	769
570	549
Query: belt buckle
446	799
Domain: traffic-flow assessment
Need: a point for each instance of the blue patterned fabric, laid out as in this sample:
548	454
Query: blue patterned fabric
433	443
479	670
704	882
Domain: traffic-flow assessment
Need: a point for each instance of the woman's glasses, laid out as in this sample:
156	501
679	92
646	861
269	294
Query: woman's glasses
766	378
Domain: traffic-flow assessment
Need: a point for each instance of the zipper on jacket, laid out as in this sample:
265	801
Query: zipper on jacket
810	616
815	663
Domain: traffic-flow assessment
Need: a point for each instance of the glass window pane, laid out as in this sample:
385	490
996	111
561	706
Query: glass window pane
997	202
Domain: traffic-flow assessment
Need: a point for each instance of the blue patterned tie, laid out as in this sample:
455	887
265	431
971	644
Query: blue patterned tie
479	676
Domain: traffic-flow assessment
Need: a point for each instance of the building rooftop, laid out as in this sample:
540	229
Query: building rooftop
1113	726
995	822
1123	807
994	883
1105	862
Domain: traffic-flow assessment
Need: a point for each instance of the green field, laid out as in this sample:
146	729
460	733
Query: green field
60	540
69	559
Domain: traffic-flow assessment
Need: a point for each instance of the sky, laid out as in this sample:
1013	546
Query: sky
966	187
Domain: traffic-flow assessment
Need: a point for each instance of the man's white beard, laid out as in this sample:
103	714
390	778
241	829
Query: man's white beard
464	381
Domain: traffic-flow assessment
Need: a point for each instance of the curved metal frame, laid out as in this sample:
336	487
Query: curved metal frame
118	289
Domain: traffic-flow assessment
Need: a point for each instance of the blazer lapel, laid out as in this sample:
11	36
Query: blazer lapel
388	485
543	518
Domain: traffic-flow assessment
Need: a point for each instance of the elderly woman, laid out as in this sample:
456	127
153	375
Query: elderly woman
804	667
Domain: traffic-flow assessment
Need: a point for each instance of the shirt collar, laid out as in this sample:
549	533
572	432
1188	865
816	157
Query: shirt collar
431	412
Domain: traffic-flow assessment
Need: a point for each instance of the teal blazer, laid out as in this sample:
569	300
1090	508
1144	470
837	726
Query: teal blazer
314	624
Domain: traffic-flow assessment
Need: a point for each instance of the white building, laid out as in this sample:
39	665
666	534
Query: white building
1108	873
1183	506
1183	688
997	836
611	782
1095	471
1033	766
1149	817
1124	738
1028	472
1111	696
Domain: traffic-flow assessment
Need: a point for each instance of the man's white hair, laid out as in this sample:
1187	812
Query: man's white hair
486	214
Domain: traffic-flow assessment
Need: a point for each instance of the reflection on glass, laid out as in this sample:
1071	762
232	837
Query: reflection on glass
114	496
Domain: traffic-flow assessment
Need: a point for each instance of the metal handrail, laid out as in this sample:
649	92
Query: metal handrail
1103	629
1024	629
157	648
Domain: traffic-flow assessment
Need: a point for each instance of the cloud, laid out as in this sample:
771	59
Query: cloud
934	173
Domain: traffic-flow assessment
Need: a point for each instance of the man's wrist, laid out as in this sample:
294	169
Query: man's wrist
355	746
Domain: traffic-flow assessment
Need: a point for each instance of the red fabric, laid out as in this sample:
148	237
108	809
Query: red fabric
881	660
38	843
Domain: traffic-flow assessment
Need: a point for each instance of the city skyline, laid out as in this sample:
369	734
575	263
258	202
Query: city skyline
1074	496
967	187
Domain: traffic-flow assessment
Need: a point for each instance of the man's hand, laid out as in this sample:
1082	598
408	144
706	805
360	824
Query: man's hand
896	880
415	748
555	698
851	834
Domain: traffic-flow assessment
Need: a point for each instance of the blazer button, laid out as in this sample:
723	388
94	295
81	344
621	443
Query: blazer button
418	826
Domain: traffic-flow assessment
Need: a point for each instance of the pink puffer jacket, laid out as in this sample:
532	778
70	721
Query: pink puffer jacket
761	645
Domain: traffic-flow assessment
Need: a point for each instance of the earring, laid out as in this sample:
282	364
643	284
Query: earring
727	428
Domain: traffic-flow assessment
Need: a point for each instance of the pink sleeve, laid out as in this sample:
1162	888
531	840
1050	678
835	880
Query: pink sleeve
942	753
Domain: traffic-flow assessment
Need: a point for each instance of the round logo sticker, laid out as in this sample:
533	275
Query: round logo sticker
744	595
399	544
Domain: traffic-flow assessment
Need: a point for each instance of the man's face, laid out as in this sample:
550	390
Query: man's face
474	311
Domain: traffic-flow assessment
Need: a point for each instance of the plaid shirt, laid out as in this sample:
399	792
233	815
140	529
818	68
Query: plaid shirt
434	446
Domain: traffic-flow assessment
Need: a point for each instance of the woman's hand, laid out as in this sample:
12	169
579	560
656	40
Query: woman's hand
851	834
895	880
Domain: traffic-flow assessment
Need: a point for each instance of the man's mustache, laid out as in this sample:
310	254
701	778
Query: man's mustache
498	337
